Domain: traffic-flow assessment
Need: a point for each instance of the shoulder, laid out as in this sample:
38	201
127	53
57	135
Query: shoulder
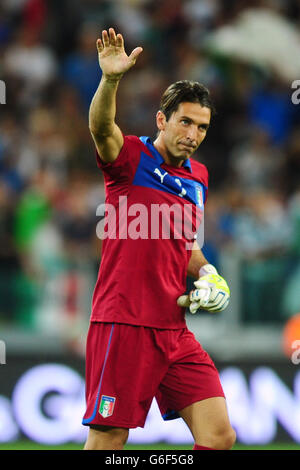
133	140
199	171
131	145
134	146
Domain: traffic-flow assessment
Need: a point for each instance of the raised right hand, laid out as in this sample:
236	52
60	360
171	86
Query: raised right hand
113	60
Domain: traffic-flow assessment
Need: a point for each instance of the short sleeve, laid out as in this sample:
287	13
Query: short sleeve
201	174
205	182
122	170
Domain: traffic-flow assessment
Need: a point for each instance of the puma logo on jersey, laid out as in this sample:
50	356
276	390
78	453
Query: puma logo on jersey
177	181
183	191
161	176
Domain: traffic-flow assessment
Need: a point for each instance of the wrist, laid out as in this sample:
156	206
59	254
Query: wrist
113	79
207	269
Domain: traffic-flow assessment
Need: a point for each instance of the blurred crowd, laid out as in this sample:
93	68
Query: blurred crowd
50	186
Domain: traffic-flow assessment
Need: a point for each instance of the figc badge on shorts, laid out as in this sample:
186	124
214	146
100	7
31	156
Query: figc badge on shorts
107	405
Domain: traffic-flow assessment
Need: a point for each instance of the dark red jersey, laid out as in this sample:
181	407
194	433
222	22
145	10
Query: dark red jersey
153	212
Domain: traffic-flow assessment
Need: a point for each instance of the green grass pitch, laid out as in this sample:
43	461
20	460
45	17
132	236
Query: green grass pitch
29	445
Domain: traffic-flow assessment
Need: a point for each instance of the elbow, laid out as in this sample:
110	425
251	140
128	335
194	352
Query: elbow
93	130
99	132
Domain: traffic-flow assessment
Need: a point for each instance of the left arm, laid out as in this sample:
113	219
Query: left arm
197	261
212	292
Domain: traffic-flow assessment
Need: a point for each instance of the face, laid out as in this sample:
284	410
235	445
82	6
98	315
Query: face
186	128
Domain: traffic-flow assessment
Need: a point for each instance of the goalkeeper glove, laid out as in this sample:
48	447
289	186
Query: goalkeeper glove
212	292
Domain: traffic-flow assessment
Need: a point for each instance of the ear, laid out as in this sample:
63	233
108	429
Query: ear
160	120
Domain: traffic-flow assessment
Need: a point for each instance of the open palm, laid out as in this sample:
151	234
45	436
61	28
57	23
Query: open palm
113	60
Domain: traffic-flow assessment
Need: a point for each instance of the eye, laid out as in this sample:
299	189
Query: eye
185	122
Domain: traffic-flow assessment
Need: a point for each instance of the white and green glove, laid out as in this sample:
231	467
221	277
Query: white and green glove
212	292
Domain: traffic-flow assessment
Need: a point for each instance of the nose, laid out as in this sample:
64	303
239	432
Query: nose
192	133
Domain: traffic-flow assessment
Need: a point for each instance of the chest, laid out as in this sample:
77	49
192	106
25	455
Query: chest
150	174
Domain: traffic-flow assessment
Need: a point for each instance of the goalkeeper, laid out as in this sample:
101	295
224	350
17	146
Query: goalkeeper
138	344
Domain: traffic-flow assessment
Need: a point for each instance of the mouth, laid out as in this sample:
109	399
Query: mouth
190	147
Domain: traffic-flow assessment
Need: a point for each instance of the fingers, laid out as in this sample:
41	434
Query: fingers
183	301
197	299
119	40
100	46
105	38
135	53
194	307
110	38
220	302
201	284
201	294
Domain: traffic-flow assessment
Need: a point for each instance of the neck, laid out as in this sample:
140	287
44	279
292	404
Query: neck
167	156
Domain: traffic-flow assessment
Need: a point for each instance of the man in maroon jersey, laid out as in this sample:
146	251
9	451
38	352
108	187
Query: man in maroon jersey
138	345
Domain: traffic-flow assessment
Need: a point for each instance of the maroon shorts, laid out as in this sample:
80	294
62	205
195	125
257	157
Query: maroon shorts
127	366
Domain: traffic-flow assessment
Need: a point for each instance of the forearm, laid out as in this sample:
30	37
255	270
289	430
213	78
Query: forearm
212	292
102	110
196	262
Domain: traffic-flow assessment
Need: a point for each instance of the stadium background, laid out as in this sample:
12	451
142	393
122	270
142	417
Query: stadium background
246	53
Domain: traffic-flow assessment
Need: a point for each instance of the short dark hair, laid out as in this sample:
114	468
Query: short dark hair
185	91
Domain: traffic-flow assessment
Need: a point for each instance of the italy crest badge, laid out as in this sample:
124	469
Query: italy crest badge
107	405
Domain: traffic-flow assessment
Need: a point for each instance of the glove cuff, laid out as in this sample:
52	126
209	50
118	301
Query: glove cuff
207	269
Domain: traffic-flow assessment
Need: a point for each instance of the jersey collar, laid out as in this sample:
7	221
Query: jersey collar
148	142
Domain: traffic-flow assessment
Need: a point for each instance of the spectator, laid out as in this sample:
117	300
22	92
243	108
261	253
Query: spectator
256	163
28	59
49	183
81	68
